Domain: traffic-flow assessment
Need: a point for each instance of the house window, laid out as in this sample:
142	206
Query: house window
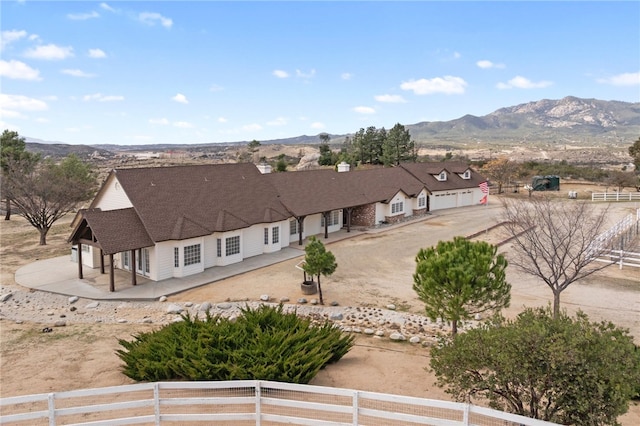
192	254
275	235
125	260
176	257
397	207
442	176
293	226
466	175
232	245
422	201
266	236
219	247
85	248
334	218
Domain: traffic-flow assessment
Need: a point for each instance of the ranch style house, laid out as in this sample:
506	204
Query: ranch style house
172	222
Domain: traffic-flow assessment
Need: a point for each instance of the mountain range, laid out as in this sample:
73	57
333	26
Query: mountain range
570	120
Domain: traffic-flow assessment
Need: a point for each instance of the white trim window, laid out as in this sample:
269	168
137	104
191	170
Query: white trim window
266	236
176	257
219	247
397	207
192	254
442	176
422	201
232	245
466	175
275	235
293	226
334	218
125	260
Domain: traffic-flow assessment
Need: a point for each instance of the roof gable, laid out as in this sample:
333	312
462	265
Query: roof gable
163	195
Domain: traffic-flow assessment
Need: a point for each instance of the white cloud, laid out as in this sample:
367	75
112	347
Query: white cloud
102	98
301	74
346	76
520	82
447	85
83	16
151	18
162	121
252	127
105	6
280	73
42	120
626	79
183	124
392	99
364	110
317	125
485	64
50	52
12	105
280	121
180	98
97	53
457	55
18	70
77	73
222	120
50	98
9	36
216	88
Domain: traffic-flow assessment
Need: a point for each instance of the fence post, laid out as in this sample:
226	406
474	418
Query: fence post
356	396
465	414
258	403
156	402
52	408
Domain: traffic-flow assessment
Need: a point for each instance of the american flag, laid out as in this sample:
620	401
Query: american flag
484	187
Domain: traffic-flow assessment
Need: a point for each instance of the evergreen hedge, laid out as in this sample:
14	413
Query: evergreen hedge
262	344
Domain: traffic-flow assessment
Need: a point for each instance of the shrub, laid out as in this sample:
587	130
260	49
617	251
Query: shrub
262	344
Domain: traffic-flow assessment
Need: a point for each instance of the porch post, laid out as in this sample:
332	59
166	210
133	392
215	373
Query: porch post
349	210
133	268
300	223
101	261
112	283
326	224
80	260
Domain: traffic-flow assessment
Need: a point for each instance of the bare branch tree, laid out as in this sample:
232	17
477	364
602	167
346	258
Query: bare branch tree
44	192
553	240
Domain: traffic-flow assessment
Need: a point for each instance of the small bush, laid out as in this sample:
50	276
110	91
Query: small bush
262	344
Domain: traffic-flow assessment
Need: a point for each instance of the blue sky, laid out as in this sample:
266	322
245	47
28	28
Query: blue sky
210	71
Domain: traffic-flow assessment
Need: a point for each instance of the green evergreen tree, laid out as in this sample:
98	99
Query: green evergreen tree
398	146
318	261
460	278
565	370
13	153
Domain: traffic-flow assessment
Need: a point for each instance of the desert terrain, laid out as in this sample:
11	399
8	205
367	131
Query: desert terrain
374	271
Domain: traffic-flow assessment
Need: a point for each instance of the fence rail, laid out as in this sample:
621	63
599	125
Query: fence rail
243	402
615	196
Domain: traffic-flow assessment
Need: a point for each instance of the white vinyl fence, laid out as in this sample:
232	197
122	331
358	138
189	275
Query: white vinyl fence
617	244
615	196
242	402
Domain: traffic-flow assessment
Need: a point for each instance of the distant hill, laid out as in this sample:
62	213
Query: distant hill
569	120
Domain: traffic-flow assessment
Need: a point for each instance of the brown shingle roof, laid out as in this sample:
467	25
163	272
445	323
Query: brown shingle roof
316	191
193	201
382	184
425	172
114	230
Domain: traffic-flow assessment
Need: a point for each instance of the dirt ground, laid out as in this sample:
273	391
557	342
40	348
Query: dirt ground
374	269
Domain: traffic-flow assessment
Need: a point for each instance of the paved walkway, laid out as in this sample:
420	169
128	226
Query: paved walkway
60	274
